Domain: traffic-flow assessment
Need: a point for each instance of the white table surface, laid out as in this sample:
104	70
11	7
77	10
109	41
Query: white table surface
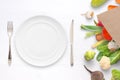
63	11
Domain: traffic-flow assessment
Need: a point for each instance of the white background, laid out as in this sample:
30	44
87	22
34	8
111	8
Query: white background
63	11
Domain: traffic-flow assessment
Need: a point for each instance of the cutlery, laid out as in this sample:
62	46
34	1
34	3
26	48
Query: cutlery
71	43
10	32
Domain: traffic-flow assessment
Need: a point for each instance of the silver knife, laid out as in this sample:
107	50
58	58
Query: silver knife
71	44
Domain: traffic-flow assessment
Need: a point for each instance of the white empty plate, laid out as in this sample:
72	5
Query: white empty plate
40	41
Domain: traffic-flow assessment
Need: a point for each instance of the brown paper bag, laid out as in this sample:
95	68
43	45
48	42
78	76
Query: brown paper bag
111	21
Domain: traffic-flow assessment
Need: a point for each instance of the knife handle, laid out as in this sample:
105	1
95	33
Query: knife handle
71	56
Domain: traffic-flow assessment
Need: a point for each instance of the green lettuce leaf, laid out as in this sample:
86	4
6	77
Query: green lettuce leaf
115	74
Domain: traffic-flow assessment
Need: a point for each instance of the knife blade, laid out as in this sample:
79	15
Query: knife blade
71	43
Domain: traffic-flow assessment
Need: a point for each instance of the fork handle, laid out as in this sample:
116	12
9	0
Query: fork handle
9	53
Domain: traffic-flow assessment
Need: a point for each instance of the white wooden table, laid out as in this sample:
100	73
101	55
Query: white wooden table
63	11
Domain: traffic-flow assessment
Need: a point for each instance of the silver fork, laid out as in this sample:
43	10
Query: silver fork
10	32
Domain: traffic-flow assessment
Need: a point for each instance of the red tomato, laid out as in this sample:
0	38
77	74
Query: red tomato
106	35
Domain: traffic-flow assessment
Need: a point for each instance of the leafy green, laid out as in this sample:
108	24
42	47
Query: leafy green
101	54
103	50
115	74
115	57
91	28
107	53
